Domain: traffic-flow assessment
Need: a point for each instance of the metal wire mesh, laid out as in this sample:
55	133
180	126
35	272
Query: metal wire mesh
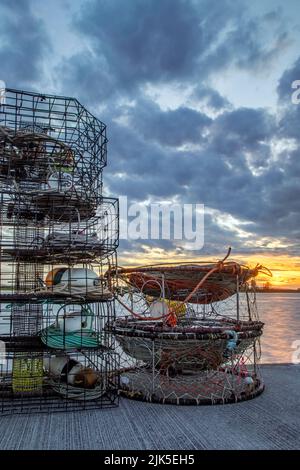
208	356
59	237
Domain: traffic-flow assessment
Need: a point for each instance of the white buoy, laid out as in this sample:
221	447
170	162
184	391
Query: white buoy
158	309
78	277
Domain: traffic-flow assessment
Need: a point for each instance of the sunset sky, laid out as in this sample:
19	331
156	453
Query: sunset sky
196	95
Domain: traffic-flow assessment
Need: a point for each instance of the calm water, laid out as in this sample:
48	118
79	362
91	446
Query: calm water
281	315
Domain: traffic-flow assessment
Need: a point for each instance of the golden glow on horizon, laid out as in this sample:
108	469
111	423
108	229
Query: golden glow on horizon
285	269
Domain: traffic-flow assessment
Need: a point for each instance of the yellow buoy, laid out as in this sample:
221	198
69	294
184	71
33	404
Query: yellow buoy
27	373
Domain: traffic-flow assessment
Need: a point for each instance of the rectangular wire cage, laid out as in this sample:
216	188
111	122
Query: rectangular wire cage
58	237
43	135
65	239
44	381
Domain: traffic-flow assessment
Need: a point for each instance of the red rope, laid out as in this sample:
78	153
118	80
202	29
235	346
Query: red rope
139	279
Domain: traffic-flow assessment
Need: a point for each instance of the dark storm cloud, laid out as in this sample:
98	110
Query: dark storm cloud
140	43
210	175
218	175
245	46
87	78
23	44
217	241
184	41
244	131
290	112
249	126
211	97
129	45
284	88
281	193
173	127
291	162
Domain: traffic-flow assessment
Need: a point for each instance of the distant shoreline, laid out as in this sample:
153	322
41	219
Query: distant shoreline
278	291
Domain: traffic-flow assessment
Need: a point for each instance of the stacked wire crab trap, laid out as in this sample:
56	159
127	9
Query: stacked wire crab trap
59	237
189	333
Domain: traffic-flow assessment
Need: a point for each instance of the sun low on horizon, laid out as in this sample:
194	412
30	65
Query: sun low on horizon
285	269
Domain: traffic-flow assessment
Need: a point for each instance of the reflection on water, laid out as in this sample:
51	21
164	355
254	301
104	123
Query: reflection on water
279	312
281	315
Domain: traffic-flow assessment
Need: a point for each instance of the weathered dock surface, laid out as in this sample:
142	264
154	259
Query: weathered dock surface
271	421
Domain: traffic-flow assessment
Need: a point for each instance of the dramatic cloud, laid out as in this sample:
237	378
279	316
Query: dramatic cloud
211	97
151	71
167	41
23	44
233	171
173	127
284	88
244	132
290	113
